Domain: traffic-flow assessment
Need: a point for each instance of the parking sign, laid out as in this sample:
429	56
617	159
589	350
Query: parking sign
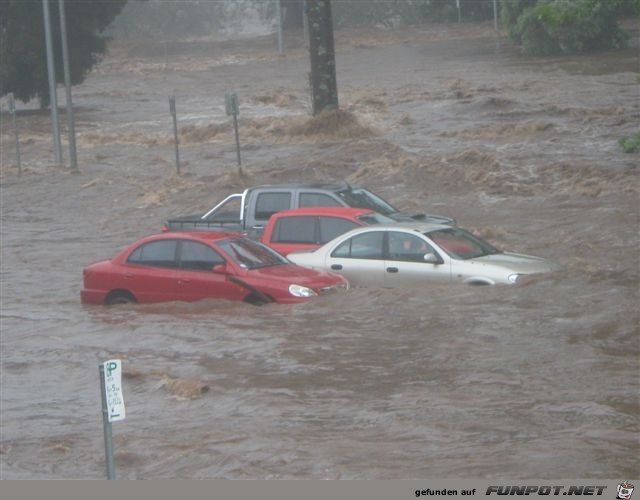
113	390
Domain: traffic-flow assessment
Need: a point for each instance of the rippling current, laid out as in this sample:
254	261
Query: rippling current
538	380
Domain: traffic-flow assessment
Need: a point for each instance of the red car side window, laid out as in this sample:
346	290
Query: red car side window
196	256
155	254
295	230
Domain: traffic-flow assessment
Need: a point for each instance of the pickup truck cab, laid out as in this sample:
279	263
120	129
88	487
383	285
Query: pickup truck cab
250	210
309	228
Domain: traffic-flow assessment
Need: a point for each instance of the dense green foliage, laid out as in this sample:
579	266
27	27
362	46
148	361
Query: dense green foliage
549	26
630	144
23	64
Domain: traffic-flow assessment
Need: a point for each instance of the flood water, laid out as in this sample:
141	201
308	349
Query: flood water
539	380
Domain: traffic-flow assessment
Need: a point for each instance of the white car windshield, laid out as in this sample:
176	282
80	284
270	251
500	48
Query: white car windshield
461	244
250	254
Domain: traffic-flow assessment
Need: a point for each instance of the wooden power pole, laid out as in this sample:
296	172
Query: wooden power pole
324	87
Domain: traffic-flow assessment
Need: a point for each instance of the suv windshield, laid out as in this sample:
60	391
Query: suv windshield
461	244
361	198
250	254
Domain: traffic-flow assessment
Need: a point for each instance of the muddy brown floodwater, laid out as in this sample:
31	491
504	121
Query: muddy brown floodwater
539	380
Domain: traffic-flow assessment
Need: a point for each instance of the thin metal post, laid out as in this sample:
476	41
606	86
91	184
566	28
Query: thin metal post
279	15
108	437
172	109
53	95
12	110
458	7
495	14
71	129
235	127
305	24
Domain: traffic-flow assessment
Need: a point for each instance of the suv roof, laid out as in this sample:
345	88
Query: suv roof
337	211
327	187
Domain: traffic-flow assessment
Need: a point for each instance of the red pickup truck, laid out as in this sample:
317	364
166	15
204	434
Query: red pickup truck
309	228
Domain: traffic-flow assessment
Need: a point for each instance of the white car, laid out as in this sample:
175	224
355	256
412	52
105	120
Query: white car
410	254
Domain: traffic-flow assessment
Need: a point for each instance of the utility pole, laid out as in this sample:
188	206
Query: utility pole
305	24
324	86
279	15
12	110
53	95
71	129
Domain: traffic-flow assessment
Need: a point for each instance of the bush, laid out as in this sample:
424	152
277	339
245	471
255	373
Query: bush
510	11
630	144
549	26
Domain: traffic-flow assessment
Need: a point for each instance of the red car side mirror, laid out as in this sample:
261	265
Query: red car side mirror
220	269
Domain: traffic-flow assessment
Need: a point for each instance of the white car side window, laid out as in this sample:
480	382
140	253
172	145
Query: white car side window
407	247
361	246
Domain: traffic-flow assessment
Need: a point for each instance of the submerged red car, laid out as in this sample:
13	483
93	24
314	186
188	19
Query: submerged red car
190	266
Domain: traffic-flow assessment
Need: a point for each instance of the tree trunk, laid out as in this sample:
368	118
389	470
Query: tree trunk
324	87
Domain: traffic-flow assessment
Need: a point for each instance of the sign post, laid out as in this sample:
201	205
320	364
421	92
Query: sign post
233	109
112	406
172	110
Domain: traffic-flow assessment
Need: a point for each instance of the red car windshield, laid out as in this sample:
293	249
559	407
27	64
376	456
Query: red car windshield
250	254
375	218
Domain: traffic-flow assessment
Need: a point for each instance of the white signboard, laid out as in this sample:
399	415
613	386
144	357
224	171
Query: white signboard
113	390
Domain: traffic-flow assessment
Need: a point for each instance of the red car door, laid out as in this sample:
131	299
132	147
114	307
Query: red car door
150	272
195	278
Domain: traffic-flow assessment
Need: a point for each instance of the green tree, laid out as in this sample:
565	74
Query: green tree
550	26
23	64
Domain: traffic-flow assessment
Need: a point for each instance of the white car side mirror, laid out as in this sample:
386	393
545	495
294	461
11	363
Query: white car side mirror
431	258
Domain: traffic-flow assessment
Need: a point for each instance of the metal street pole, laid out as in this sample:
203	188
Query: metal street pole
172	110
106	425
280	41
12	110
67	83
495	14
305	24
53	96
235	128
